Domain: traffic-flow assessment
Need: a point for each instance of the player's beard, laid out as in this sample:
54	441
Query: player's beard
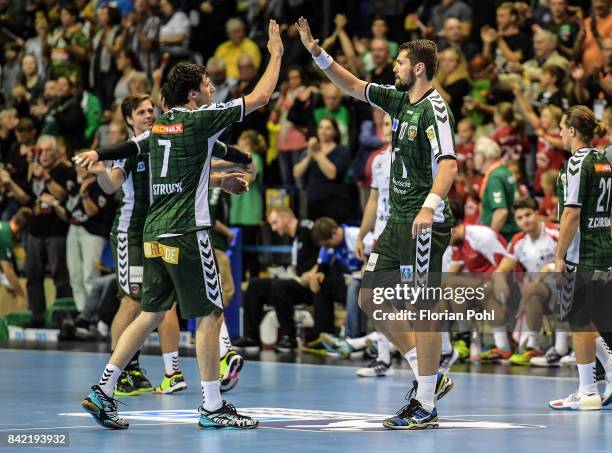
401	85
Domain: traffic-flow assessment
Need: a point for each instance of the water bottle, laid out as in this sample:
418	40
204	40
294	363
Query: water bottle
475	348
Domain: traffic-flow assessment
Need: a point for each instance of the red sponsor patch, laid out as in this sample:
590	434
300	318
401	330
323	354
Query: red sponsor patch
603	168
168	129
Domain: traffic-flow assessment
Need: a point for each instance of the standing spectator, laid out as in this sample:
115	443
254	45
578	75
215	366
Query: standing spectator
551	85
106	44
506	44
452	80
92	108
509	132
564	25
247	210
126	64
86	209
10	232
498	190
30	85
69	45
323	166
11	71
142	36
595	90
8	122
247	79
545	54
16	163
382	73
589	43
218	76
445	10
138	84
291	139
38	45
453	37
238	44
548	205
333	108
174	32
47	238
379	31
210	29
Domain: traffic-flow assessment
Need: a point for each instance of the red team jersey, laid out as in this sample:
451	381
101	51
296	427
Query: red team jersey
510	142
481	251
547	158
532	254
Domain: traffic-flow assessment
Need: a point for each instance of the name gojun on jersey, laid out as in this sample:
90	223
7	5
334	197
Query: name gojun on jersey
585	182
422	136
181	148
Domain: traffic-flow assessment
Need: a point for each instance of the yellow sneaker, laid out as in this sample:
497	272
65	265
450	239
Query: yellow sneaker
171	384
229	367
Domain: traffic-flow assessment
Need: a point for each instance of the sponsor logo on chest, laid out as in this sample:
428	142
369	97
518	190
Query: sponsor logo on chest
603	168
170	129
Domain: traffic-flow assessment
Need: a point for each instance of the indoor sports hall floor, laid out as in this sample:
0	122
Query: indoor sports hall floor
302	408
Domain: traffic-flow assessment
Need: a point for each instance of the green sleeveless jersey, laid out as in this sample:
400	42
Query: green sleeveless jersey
585	181
181	148
422	136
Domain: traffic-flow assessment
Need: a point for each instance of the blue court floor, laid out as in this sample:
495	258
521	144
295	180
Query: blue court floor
302	408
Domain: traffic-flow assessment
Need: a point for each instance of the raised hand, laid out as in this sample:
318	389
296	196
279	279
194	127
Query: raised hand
275	44
86	159
233	183
311	44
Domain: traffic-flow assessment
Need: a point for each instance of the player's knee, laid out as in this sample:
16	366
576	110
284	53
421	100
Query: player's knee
211	321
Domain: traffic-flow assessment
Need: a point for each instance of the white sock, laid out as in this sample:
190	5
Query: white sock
603	353
587	378
447	347
225	345
426	391
411	357
533	340
211	395
501	338
561	345
357	343
109	379
171	363
384	353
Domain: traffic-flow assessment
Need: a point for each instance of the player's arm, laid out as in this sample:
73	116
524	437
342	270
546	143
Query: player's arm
117	151
109	181
500	216
232	183
9	271
231	153
340	76
500	284
367	222
262	92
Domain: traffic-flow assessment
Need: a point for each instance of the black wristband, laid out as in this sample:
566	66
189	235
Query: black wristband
119	151
237	156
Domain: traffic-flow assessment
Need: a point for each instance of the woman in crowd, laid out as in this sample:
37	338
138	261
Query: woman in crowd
452	80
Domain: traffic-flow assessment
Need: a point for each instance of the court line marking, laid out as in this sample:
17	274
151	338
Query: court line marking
310	365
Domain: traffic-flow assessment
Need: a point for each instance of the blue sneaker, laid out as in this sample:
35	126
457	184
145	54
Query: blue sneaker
413	416
225	417
444	384
103	409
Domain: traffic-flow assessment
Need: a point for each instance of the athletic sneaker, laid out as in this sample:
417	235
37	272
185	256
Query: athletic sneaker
462	348
171	384
444	384
286	344
371	349
551	359
125	386
318	348
495	355
578	402
229	367
246	345
607	395
225	417
568	359
103	409
447	360
377	368
140	380
337	345
524	359
413	416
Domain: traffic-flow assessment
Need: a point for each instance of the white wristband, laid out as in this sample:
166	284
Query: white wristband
432	201
323	60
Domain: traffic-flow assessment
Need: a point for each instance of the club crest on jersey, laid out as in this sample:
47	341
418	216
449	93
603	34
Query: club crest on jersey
603	168
395	124
170	129
412	131
406	273
141	167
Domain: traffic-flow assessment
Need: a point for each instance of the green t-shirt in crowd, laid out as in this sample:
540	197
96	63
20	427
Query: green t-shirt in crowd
6	242
342	117
500	193
247	209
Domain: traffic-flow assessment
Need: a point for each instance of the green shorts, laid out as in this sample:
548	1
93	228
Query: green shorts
415	259
185	264
128	256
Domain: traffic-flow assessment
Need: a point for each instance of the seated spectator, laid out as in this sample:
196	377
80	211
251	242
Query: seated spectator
379	31
9	120
141	35
30	85
237	45
452	80
16	164
290	139
323	166
551	88
285	292
138	84
174	31
38	45
247	209
445	10
506	44
589	43
548	205
107	133
218	76
382	72
88	210
10	232
509	132
47	236
564	24
126	65
595	90
11	72
453	37
247	79
544	54
465	145
69	45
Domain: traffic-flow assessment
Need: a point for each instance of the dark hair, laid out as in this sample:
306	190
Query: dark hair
130	55
457	210
422	51
526	203
22	218
72	9
182	78
131	103
557	72
583	120
25	125
323	229
334	124
114	14
67	77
